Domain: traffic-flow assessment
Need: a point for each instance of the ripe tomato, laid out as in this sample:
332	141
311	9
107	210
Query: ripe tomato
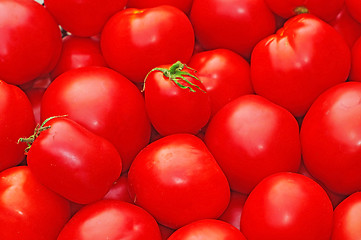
346	219
82	17
119	190
331	137
207	229
176	100
225	75
111	220
252	138
74	162
295	65
227	24
287	206
30	41
28	210
104	102
177	180
184	5
355	73
135	41
233	213
354	7
35	95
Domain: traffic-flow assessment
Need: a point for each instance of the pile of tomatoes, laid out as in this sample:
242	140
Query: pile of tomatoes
180	120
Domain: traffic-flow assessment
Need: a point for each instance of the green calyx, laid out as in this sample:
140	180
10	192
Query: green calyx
301	9
175	73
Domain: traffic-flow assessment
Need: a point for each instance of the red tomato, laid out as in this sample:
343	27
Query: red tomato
177	180
82	17
354	7
233	213
225	75
207	229
184	5
324	9
176	100
234	24
104	102
30	41
346	219
111	220
331	138
287	206
135	41
78	52
35	95
28	210
120	190
16	121
252	138
295	65
355	73
73	161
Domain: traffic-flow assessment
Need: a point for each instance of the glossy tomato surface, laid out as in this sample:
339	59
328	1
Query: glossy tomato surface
184	5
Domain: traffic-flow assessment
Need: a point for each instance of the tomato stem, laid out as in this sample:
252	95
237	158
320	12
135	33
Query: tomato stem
301	9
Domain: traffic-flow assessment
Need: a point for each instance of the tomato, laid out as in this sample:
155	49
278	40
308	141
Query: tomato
17	120
72	161
233	213
354	7
104	102
81	17
225	75
355	72
30	41
184	5
35	95
120	190
331	136
177	180
78	52
346	219
227	24
324	9
252	138
295	65
207	229
135	41
176	100
28	210
287	206
112	220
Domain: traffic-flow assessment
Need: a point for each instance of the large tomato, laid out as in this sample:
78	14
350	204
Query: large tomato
177	180
72	161
111	220
287	206
233	24
103	101
252	138
30	41
28	210
331	137
295	65
135	41
184	5
83	17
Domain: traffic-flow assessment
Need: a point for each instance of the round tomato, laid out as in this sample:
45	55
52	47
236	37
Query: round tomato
287	206
295	65
331	137
120	190
135	41
252	138
30	41
177	180
28	210
111	220
184	5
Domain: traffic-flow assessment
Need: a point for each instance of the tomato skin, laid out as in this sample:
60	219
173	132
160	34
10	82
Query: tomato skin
134	41
354	7
184	5
225	75
233	213
207	229
113	220
355	73
28	210
74	162
78	52
251	138
99	99
86	22
287	206
178	173
120	190
303	59
220	24
30	41
35	95
346	220
330	138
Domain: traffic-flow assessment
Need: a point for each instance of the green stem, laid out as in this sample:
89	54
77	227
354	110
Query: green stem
301	9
